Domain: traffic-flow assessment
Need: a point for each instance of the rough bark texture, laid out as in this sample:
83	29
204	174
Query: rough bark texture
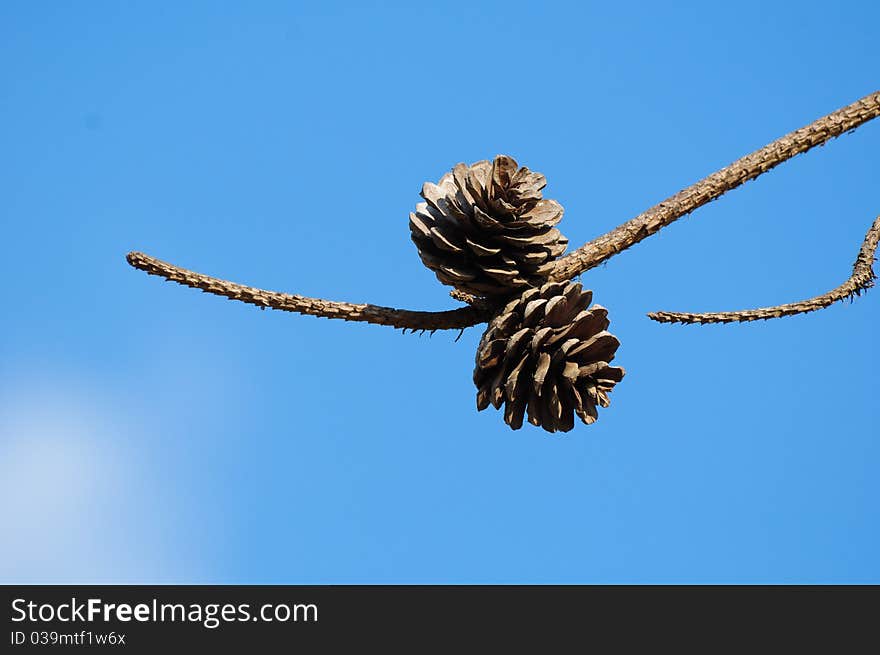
684	202
399	318
861	279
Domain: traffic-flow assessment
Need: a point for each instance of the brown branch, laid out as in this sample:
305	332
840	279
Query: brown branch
400	318
748	168
862	278
587	256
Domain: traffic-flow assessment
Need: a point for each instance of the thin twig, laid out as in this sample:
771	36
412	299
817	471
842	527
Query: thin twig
684	202
463	296
400	318
862	278
487	304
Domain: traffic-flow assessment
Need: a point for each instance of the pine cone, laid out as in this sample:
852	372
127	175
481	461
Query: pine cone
485	229
547	352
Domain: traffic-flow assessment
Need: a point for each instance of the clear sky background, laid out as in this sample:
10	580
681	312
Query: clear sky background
151	433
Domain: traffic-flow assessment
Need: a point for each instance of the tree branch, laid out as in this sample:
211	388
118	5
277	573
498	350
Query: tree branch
456	319
862	278
748	168
584	258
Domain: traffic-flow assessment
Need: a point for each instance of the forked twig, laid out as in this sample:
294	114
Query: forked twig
587	256
862	278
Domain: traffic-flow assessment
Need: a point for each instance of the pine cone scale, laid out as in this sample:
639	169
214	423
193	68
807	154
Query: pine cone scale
480	250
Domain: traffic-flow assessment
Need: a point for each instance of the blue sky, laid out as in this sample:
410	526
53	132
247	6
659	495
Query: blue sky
150	433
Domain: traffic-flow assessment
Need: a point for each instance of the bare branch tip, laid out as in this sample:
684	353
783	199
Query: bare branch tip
358	312
861	280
